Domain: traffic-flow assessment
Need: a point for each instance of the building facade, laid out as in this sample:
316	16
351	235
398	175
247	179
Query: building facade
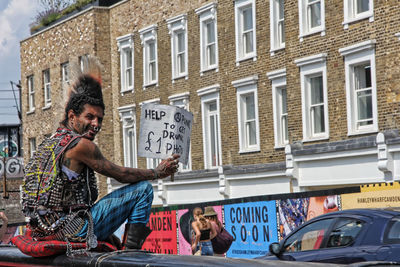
287	95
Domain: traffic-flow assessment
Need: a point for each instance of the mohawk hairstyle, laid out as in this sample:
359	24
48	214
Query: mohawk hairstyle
85	87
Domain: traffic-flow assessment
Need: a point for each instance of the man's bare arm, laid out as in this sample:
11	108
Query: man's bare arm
89	154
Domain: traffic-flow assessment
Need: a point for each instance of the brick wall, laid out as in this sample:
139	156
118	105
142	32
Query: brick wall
96	30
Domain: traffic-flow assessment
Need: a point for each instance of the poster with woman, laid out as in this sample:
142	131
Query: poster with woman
185	232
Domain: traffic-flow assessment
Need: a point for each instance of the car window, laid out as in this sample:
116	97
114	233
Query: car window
392	232
307	238
344	232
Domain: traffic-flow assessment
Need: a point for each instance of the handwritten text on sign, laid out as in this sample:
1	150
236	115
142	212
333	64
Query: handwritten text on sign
164	130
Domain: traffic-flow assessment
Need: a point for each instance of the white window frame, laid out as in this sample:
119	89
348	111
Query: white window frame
241	5
304	23
245	87
209	95
207	14
125	45
278	81
83	62
182	100
32	146
356	55
65	78
151	163
277	38
310	67
128	119
178	25
350	16
31	94
65	72
148	36
46	88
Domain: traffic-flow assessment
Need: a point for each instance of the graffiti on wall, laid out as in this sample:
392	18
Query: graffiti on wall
9	137
12	167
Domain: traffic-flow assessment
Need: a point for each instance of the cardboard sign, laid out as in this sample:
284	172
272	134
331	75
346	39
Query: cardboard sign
164	130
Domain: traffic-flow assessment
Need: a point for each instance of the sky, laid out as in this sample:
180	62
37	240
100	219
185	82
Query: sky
15	17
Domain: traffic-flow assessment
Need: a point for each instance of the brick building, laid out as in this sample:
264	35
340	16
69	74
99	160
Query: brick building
286	95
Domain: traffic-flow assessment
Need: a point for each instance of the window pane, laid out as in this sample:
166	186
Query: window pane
210	32
284	103
211	54
181	62
362	6
392	232
315	14
250	107
213	141
317	94
308	238
281	9
152	71
248	38
251	133
285	130
130	148
318	119
128	58
48	93
181	42
152	52
247	19
46	76
281	31
129	77
362	76
212	106
364	103
344	232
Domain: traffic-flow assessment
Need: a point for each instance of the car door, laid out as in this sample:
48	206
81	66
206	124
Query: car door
338	247
303	244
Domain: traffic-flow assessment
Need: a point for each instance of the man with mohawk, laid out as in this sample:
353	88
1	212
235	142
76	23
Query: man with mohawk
60	190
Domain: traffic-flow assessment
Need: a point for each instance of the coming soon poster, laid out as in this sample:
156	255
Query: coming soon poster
253	227
163	236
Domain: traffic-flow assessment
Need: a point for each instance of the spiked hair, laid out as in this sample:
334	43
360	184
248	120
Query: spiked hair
85	87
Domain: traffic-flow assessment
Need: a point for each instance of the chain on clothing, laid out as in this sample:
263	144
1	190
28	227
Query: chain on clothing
57	206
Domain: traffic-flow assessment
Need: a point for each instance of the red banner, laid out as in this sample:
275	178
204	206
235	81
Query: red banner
163	239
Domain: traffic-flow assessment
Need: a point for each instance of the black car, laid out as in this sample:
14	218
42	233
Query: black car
344	237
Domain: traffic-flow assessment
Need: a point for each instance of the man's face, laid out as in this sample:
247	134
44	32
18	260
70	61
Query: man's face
89	122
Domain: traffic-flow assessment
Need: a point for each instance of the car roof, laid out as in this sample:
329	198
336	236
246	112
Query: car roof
374	213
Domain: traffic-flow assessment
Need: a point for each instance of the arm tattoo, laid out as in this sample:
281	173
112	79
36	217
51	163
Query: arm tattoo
97	154
122	174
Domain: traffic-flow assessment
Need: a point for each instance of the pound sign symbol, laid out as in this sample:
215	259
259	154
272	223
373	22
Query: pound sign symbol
148	148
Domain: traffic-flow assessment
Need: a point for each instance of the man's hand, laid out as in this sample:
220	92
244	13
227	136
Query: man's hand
167	166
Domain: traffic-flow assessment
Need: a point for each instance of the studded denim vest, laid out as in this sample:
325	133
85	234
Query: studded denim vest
57	206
